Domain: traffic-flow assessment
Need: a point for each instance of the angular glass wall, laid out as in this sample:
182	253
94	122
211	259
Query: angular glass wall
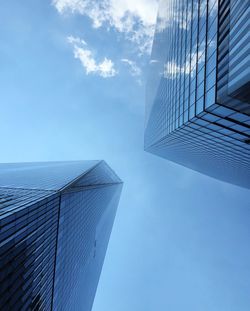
192	114
28	235
55	223
87	212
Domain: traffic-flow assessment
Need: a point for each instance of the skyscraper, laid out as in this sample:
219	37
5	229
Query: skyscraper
55	223
198	90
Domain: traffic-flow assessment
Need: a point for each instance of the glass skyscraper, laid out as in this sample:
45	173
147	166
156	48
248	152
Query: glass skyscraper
55	223
198	90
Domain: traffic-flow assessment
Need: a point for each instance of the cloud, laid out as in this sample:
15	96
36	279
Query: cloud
135	19
172	69
104	69
170	12
153	61
76	41
133	68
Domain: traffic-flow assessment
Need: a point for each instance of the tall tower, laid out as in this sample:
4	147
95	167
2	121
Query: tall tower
198	90
55	223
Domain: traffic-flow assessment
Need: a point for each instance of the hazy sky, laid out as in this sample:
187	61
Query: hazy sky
72	81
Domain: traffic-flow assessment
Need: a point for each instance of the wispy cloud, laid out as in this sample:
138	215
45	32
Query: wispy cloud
133	68
134	19
104	68
170	12
172	69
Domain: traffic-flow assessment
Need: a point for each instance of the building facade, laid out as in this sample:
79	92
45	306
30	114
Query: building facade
55	223
198	90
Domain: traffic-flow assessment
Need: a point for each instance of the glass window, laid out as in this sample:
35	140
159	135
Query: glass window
200	77
211	47
200	90
210	97
186	116
191	111
211	63
199	105
192	98
211	80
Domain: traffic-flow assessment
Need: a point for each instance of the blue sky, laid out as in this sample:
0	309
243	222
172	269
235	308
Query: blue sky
72	87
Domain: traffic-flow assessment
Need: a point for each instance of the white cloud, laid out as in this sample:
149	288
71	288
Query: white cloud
170	12
133	18
172	70
104	69
133	68
76	41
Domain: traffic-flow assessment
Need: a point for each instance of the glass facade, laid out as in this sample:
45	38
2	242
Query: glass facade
44	175
53	242
197	96
28	235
